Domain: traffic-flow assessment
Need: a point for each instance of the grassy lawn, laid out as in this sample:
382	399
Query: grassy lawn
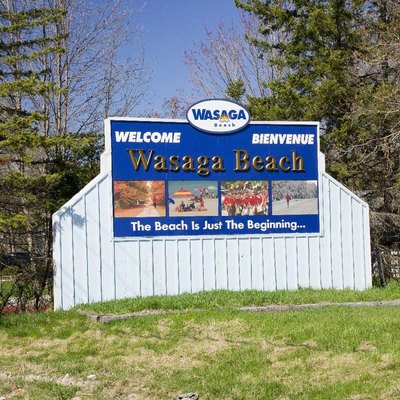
223	299
329	353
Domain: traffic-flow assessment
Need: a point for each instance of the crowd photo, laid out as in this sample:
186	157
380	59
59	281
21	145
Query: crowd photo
239	198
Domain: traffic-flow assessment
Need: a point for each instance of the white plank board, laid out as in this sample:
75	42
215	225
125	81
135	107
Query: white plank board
184	266
280	263
160	273
347	240
209	264
256	262
232	252
303	262
127	277
67	259
146	268
57	253
314	260
336	236
221	268
171	258
291	263
245	267
358	248
80	252
93	245
196	256
92	266
269	264
106	245
325	240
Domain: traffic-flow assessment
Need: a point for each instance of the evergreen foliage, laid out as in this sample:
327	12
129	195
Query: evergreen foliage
340	64
41	166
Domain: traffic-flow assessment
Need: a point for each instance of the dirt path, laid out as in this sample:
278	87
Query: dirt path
260	309
149	211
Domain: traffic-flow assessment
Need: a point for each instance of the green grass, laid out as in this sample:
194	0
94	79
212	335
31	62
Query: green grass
223	299
329	353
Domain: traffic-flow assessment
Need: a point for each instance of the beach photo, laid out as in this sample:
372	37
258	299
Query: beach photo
240	198
192	198
139	199
294	197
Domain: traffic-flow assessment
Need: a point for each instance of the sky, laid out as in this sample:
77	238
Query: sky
169	28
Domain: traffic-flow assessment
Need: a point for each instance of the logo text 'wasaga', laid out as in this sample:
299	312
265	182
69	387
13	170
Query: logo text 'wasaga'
218	116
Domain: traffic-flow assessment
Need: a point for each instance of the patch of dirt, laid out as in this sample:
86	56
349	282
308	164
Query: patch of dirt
28	372
279	348
360	396
141	362
279	351
312	344
216	330
340	368
323	366
214	337
48	344
366	346
164	326
127	391
386	360
174	360
248	378
392	393
66	380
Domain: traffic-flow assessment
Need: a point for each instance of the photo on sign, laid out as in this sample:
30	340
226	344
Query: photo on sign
294	197
139	199
240	198
192	198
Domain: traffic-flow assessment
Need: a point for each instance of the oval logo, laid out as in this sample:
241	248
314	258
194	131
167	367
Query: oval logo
218	116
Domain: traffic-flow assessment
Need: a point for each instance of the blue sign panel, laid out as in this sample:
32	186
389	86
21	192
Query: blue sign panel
171	179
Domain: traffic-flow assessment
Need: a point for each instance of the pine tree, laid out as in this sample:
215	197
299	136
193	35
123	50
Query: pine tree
340	65
314	47
39	167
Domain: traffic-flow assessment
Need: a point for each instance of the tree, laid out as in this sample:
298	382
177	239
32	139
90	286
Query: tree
27	183
313	57
157	190
97	78
128	194
55	89
342	68
227	65
174	107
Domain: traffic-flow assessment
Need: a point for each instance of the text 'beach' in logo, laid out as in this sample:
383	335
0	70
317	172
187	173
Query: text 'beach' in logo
218	116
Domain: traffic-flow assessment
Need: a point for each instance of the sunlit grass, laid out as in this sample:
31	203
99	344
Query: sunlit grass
223	299
215	350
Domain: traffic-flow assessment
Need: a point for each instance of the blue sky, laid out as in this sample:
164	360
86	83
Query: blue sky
169	28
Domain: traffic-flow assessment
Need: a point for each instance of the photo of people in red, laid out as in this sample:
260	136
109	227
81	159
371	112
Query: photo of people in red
239	198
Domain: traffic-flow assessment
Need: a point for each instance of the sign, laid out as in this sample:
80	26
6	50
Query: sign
218	116
170	178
